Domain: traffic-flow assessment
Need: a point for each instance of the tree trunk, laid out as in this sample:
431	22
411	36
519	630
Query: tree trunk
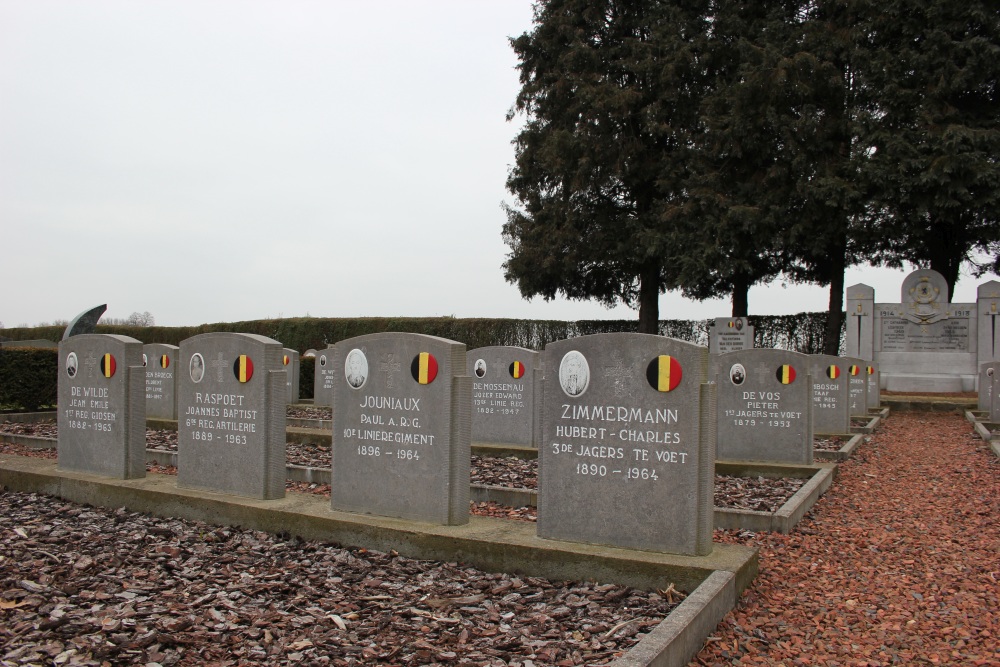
835	311
741	298
949	268
649	300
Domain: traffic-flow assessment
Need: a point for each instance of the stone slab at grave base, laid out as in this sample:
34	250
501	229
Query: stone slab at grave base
713	582
820	477
913	403
842	454
916	383
989	432
870	426
28	417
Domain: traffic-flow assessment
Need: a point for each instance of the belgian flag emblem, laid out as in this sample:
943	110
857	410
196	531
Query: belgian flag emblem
243	368
731	324
284	360
871	370
164	361
516	370
854	370
785	374
424	368
108	365
833	372
664	373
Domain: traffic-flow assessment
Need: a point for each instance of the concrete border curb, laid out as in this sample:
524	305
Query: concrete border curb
844	452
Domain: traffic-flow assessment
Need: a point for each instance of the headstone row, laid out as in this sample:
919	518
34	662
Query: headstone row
628	426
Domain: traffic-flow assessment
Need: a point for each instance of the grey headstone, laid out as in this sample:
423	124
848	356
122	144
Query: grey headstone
860	320
160	361
988	306
874	393
857	386
503	394
987	372
290	362
628	448
102	412
831	399
995	397
401	442
85	322
765	406
730	334
325	378
231	422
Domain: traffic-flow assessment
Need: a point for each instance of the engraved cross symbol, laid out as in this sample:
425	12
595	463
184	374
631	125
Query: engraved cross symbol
762	372
499	368
220	365
618	374
389	367
91	364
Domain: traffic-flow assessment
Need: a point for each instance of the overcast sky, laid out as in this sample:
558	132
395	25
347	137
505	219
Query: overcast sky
219	160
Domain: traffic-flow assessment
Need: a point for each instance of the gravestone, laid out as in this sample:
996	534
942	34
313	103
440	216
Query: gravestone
160	361
995	395
325	377
857	386
986	374
503	394
873	392
401	442
730	334
831	394
102	412
924	343
231	415
765	406
290	362
628	443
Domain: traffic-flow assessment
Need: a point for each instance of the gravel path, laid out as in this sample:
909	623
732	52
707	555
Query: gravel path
898	564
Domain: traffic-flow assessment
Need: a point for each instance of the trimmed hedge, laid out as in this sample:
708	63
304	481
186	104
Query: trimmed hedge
29	377
803	332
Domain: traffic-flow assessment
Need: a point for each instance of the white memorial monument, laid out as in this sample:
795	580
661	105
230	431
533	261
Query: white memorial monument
924	343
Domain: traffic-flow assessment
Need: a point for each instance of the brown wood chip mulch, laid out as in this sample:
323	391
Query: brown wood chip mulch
898	564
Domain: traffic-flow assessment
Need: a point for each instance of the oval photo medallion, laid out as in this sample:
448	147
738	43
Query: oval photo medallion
356	368
574	373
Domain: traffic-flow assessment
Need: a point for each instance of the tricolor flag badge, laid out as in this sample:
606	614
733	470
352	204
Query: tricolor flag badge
164	361
664	373
243	368
285	359
871	370
732	323
108	365
833	372
424	368
785	374
516	370
854	370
